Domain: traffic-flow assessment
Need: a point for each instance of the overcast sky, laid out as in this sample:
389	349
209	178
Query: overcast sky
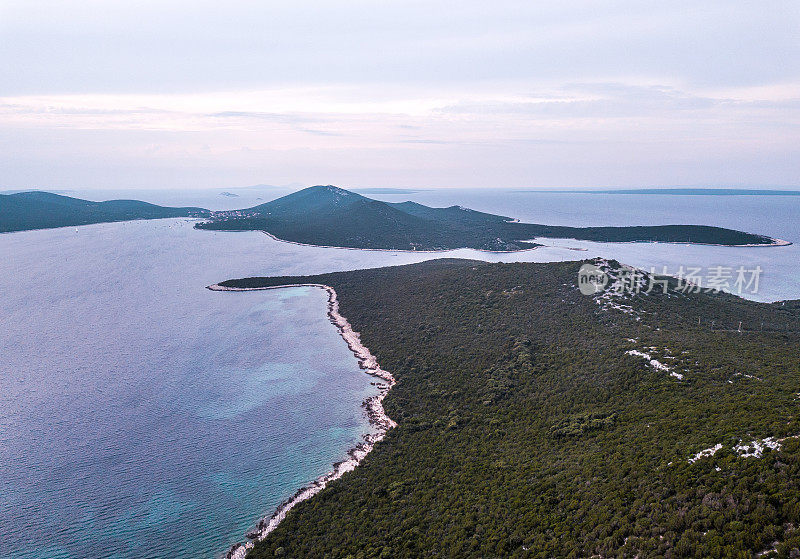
407	94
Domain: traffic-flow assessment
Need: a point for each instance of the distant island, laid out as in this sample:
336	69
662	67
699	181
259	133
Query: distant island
335	217
23	211
534	421
332	216
684	191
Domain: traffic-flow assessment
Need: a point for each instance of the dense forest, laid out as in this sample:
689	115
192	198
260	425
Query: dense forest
531	425
43	210
331	216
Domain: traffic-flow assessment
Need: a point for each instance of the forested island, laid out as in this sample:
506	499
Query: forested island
24	211
332	216
534	421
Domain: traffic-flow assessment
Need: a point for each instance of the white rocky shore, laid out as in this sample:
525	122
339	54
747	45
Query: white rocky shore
373	407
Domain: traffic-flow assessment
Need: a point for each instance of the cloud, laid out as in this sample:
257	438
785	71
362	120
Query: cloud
179	47
528	92
270	117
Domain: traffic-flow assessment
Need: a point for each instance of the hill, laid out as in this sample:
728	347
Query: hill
44	210
331	216
534	421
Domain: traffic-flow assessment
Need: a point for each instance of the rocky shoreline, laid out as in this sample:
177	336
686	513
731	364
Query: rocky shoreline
373	408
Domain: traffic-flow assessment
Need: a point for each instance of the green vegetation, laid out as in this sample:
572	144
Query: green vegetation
331	216
526	430
42	210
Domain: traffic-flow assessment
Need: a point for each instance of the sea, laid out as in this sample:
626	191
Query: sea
144	416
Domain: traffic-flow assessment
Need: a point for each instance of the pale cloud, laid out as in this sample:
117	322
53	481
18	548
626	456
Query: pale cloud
510	93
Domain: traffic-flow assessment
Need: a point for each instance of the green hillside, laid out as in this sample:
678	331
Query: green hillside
44	210
331	216
530	427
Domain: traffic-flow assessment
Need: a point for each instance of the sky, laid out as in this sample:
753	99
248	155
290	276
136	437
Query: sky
173	94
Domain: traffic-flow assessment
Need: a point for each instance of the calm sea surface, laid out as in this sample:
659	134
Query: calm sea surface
143	416
776	216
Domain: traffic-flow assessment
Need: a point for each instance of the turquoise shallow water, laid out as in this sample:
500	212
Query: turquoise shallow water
171	451
143	416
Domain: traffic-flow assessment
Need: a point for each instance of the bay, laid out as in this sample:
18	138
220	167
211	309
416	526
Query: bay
142	415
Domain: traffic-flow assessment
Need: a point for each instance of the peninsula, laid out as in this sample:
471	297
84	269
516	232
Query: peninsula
534	421
332	216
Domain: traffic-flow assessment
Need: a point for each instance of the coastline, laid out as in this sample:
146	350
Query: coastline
775	243
373	407
535	240
440	251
